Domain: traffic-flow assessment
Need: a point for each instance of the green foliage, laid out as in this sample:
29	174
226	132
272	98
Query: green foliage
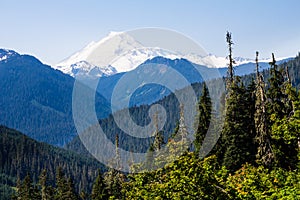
64	190
45	189
61	185
264	153
203	118
237	143
186	178
286	134
236	175
276	97
251	182
158	141
71	193
26	190
282	111
113	180
99	191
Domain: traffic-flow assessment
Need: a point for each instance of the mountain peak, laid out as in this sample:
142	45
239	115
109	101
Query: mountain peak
164	60
114	33
6	53
102	53
120	52
84	68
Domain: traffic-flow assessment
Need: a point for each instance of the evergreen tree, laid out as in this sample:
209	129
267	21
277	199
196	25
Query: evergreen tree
264	153
46	191
280	109
285	130
99	191
285	134
70	193
237	140
27	190
61	185
276	97
236	146
230	72
204	117
180	137
158	135
250	100
154	147
158	141
83	195
17	194
182	131
113	178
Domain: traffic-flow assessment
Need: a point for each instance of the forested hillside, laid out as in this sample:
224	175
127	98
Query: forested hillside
171	104
150	93
21	155
37	100
258	153
256	157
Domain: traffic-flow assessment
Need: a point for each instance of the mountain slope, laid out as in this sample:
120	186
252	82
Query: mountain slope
156	69
20	155
149	93
140	113
37	100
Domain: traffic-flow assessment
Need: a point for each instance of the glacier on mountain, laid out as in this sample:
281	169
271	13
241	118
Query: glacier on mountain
119	52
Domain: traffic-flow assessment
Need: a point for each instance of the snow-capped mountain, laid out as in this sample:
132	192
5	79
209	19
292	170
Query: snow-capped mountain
100	55
120	52
220	62
82	68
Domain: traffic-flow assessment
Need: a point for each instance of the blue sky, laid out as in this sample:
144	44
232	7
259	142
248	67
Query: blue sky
53	30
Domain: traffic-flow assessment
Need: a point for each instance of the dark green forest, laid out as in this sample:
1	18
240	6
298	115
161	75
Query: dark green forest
256	157
21	156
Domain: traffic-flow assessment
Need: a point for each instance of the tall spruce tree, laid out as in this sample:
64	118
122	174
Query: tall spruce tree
61	185
113	178
204	117
26	190
236	139
71	193
264	153
250	100
182	130
46	190
286	135
276	97
158	136
282	108
99	191
230	72
181	135
155	146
